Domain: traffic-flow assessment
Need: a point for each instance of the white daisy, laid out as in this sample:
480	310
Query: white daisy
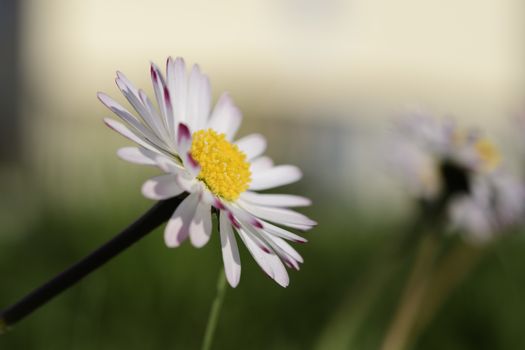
438	160
194	146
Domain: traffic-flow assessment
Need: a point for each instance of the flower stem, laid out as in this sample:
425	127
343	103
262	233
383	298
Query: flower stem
399	333
448	275
154	217
215	311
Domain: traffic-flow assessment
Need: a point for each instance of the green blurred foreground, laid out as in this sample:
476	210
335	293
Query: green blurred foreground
152	297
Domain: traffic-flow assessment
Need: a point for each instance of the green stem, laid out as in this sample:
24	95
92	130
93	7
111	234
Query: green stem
400	331
451	271
215	312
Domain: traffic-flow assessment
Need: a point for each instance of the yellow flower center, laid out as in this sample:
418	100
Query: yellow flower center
488	153
224	168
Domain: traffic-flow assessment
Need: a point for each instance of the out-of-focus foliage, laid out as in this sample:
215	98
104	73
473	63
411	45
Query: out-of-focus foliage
154	297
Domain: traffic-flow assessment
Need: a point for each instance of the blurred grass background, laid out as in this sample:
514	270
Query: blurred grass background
320	79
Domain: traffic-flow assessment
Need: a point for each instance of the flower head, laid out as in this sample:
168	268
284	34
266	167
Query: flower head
194	145
461	169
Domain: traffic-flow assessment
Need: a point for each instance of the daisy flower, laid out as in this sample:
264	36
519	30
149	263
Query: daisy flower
194	146
461	169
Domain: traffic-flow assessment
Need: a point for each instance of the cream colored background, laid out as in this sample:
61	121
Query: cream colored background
342	67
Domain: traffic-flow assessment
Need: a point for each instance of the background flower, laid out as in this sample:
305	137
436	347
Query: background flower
438	160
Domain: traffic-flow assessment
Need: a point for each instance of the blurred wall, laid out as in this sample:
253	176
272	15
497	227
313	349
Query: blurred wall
9	81
338	65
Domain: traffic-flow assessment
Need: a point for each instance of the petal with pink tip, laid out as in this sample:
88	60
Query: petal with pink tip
230	251
137	126
183	138
285	247
178	227
148	115
163	98
270	263
200	227
280	216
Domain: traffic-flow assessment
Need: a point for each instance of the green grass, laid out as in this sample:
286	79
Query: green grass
152	297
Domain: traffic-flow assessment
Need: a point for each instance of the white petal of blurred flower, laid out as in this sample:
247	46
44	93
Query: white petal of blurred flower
194	145
490	201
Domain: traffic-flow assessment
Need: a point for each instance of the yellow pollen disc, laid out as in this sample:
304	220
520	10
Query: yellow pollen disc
224	168
488	153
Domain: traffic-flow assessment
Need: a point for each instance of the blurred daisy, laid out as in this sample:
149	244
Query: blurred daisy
193	144
496	203
461	170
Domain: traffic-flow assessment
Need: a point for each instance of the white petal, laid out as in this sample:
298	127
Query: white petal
178	227
242	215
146	112
255	236
160	124
252	145
186	182
258	254
200	227
275	177
183	138
270	263
125	85
278	215
138	128
163	98
191	164
286	248
199	99
280	232
262	239
178	86
283	255
279	271
275	200
127	133
274	253
184	145
168	165
207	196
469	215
226	117
137	155
260	164
161	187
230	252
131	94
